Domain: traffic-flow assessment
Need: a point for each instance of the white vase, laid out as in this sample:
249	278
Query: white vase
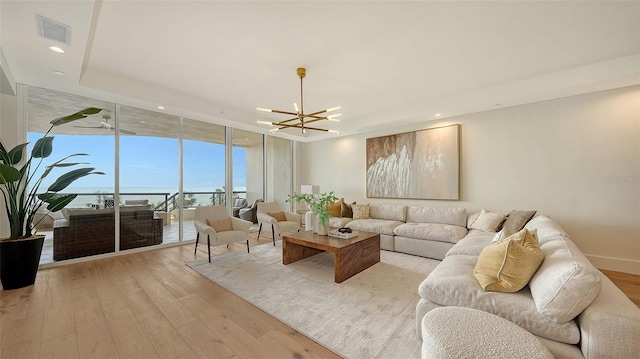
322	229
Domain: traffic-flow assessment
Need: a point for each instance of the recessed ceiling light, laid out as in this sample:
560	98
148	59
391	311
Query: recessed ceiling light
56	49
438	114
143	121
58	72
161	107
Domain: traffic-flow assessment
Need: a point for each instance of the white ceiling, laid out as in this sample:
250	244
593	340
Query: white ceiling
386	63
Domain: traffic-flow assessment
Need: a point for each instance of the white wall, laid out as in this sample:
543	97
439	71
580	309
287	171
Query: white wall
576	159
9	136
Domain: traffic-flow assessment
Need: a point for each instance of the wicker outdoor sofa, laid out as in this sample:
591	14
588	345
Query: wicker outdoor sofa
86	232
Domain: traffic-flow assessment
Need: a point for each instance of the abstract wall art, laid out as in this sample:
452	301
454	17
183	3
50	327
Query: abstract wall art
422	164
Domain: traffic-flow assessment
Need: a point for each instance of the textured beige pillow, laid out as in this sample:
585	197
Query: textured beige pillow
335	208
517	220
279	216
508	265
220	225
488	221
360	211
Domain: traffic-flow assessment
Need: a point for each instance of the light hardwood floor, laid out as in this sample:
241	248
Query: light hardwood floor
150	305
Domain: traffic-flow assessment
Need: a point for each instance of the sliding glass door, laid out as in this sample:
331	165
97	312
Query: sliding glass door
87	225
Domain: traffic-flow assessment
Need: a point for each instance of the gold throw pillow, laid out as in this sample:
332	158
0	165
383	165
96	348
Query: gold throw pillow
508	265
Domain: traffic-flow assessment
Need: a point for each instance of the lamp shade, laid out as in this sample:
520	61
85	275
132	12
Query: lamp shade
309	189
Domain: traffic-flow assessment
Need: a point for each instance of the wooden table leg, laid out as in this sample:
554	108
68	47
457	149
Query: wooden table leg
352	260
292	252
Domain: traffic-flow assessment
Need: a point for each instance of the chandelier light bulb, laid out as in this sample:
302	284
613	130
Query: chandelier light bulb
263	109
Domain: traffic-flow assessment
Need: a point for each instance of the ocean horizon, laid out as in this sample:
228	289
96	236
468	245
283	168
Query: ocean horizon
95	196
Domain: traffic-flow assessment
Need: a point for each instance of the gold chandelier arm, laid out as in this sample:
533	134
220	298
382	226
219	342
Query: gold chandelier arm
283	126
285	112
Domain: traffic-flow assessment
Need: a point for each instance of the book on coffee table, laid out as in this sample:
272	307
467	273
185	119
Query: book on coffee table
337	234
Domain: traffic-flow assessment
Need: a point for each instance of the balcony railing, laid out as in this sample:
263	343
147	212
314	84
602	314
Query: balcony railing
159	201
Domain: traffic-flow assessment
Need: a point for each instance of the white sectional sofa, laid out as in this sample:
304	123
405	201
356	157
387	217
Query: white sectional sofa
573	309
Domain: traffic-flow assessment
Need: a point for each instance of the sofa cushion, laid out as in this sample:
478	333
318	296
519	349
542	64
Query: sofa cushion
566	282
391	212
381	226
338	222
508	265
452	283
472	244
430	231
546	227
488	221
452	216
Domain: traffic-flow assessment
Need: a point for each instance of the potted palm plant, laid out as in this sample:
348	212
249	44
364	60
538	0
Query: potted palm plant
20	187
318	203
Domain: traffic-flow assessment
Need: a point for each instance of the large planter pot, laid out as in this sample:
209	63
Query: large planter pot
19	260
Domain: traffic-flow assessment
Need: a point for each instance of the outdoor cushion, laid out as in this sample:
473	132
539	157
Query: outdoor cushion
430	231
452	283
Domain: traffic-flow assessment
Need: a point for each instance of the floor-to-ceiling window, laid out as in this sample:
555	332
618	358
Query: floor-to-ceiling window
149	177
149	159
204	175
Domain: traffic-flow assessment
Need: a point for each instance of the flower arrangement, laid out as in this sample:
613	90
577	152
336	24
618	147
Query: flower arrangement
318	203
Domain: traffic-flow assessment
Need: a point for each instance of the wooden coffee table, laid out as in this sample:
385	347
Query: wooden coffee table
351	256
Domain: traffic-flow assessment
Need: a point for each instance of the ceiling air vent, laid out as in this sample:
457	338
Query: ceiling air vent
54	30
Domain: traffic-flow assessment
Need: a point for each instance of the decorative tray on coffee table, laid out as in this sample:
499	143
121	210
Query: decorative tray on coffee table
342	235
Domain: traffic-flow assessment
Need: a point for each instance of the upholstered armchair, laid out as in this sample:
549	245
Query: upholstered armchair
270	214
215	223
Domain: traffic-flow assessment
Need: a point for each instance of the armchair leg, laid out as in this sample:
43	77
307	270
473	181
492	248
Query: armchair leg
247	245
273	234
259	231
195	250
209	247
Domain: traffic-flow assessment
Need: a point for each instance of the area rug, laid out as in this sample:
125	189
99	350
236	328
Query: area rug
370	315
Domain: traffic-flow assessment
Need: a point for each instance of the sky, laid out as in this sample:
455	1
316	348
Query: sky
147	162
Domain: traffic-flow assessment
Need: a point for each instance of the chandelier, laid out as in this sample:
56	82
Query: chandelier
300	119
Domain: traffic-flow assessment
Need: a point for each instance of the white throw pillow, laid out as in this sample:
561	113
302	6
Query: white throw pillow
489	221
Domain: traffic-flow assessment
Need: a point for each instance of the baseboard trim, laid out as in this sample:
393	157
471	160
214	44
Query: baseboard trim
615	264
